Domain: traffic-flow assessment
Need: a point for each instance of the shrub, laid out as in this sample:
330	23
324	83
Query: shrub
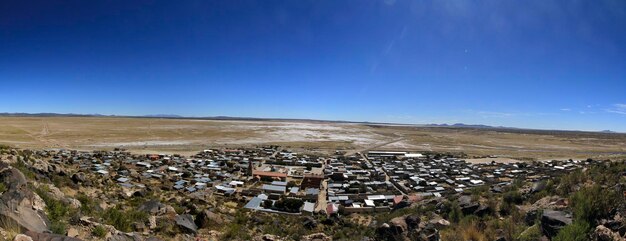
3	188
593	203
513	197
99	231
531	234
123	220
576	231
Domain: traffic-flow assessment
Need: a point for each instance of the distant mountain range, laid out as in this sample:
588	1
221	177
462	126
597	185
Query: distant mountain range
171	116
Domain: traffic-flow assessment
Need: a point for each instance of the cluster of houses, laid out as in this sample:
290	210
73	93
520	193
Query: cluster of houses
275	180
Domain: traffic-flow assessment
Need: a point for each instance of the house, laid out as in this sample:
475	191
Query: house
312	181
273	175
273	189
308	207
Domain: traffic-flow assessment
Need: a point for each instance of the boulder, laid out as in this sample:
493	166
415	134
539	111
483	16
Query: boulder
186	224
412	221
429	233
124	237
482	210
206	218
49	237
72	232
467	206
22	237
389	232
79	177
153	207
538	186
602	233
317	237
19	204
553	221
399	224
267	237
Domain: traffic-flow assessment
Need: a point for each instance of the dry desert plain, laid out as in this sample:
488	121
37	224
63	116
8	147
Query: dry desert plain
187	136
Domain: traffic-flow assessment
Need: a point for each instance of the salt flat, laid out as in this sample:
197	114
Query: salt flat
190	135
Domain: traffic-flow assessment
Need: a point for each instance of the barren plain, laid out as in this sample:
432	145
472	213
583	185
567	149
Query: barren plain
187	136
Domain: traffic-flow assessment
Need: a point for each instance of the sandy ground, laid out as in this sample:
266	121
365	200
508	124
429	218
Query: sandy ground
189	136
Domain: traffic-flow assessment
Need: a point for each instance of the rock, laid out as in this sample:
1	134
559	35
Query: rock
553	221
412	221
153	239
124	237
267	237
309	223
317	237
550	202
74	203
79	177
538	186
153	207
531	217
139	227
185	222
496	189
467	206
429	233
152	223
482	210
602	233
49	237
19	204
22	237
72	232
389	232
399	224
206	217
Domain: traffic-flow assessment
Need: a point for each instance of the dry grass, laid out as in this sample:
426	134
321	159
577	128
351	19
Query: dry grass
189	136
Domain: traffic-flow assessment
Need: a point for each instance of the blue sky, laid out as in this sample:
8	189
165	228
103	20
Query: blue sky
537	64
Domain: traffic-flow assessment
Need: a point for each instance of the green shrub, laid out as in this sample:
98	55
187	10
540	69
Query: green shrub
123	220
577	231
87	205
593	203
58	227
99	231
3	188
531	234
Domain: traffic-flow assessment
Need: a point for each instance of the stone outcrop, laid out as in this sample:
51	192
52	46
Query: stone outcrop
19	204
553	221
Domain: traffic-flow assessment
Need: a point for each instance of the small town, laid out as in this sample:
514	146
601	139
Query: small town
276	181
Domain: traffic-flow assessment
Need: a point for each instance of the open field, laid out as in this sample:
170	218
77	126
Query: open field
187	136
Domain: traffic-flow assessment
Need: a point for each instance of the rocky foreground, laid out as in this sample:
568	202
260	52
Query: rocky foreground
41	200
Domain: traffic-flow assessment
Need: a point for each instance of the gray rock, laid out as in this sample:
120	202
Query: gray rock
49	237
412	221
19	204
602	233
153	207
538	186
79	177
553	221
185	222
22	237
124	237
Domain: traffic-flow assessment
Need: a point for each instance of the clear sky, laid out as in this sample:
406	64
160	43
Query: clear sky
537	63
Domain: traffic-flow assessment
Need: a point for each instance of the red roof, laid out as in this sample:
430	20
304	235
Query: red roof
269	174
397	199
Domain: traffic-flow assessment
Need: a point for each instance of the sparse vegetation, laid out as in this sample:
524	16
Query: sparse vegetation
123	219
99	231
